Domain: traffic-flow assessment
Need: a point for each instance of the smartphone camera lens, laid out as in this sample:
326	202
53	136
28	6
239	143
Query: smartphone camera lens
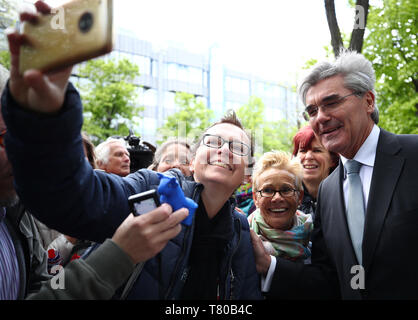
86	22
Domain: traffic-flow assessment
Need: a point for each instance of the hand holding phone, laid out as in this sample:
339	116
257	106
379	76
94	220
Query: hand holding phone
77	31
143	236
143	202
35	90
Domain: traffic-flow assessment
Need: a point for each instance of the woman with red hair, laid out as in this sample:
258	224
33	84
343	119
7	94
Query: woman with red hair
317	163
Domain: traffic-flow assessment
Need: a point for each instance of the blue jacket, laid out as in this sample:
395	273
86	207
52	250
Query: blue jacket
238	278
47	157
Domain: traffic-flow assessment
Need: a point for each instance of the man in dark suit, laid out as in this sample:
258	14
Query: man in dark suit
368	252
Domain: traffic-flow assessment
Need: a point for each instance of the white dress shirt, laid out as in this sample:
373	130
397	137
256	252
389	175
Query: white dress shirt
366	156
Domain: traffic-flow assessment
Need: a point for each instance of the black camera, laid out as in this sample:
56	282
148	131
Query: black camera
141	152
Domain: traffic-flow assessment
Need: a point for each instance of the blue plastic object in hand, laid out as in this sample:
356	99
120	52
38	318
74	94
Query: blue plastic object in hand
171	193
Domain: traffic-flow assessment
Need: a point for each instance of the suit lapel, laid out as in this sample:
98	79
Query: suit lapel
386	171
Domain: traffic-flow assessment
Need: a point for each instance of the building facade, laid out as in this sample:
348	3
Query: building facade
167	71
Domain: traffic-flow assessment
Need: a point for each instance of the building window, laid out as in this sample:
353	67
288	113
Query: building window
148	126
169	100
150	98
267	89
204	100
234	105
144	63
185	73
237	85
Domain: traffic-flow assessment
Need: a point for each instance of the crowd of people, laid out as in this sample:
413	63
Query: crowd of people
287	226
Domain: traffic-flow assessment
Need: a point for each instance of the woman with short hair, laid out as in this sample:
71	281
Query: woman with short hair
277	184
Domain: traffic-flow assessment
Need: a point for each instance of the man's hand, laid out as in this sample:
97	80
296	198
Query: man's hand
142	237
262	258
34	90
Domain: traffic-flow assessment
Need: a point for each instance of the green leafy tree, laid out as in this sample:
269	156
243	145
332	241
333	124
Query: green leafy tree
278	135
252	114
8	17
5	59
268	135
8	10
391	45
189	121
109	97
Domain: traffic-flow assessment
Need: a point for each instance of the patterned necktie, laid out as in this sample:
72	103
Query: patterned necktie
355	206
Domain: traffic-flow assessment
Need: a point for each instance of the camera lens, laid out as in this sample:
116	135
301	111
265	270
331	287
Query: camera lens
86	22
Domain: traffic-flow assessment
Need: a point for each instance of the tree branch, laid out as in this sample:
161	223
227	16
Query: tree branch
357	35
336	40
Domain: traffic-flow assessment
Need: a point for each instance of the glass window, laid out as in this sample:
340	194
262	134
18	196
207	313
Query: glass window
200	99
169	100
205	78
195	76
172	71
150	97
185	73
149	126
234	105
154	68
237	85
267	89
144	64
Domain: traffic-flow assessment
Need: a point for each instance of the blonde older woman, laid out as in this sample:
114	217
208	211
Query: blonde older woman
278	191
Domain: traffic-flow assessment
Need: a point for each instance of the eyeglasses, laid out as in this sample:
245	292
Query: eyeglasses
171	160
270	193
2	133
311	111
236	147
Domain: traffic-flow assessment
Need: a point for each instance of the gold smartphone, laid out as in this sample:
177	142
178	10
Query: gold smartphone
77	31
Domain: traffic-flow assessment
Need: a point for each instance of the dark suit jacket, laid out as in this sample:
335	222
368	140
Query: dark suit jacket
390	242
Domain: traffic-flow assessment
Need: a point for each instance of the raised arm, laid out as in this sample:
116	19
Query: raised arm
43	115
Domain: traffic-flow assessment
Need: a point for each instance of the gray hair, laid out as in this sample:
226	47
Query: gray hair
160	151
103	149
357	71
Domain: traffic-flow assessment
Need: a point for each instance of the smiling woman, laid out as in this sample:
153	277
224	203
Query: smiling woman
277	183
219	160
317	163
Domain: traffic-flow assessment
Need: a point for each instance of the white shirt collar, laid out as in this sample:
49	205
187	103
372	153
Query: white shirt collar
367	152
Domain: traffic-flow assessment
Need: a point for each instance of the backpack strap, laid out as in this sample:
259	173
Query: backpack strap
135	274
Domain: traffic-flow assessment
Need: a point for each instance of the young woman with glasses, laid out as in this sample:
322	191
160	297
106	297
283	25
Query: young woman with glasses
220	259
